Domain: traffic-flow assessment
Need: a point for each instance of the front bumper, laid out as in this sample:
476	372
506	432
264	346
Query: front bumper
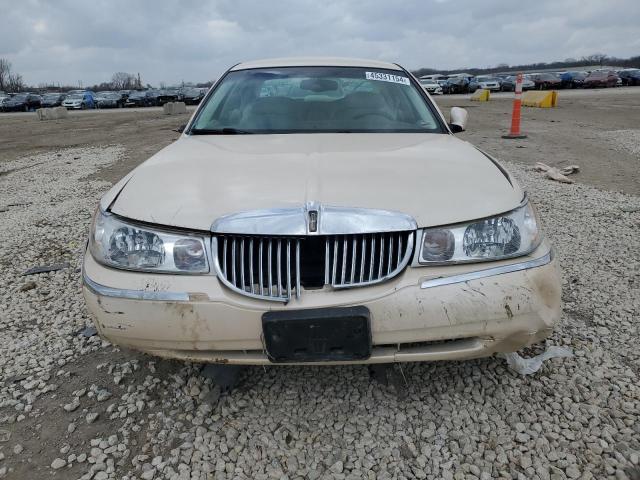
429	313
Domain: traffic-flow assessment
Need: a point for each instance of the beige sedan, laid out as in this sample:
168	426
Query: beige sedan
320	210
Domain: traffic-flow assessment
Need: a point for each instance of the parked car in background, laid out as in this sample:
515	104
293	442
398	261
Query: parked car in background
573	79
601	78
4	96
22	102
457	85
484	82
431	86
509	84
145	98
165	96
630	76
191	96
438	255
110	100
80	100
546	81
50	100
169	95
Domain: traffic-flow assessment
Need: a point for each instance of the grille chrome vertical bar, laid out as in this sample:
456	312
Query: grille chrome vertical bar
288	268
270	269
344	259
373	251
298	268
381	261
261	282
327	272
251	265
224	257
279	258
390	255
242	264
233	261
353	258
335	261
363	256
400	253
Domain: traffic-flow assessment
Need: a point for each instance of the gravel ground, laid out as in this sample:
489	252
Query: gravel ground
73	406
624	141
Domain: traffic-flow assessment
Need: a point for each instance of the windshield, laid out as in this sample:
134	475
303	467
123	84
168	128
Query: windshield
75	96
315	99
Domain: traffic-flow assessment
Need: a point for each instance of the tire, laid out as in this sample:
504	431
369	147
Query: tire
83	107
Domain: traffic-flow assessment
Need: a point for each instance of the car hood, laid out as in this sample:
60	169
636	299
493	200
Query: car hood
436	178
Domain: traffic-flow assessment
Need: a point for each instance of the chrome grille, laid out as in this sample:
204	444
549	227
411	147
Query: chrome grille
270	267
358	260
261	267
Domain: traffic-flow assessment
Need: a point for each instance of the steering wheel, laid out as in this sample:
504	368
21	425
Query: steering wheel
374	114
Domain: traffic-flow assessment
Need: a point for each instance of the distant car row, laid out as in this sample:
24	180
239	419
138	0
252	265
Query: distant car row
87	99
464	83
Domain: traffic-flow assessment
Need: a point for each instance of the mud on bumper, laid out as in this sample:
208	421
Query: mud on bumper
465	315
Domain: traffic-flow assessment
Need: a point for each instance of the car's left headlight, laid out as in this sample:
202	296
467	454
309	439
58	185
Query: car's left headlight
119	244
508	235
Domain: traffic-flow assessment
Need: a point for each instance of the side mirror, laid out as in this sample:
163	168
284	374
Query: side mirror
180	129
458	119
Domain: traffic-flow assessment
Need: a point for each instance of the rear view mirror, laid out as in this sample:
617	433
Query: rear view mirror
458	119
318	85
180	129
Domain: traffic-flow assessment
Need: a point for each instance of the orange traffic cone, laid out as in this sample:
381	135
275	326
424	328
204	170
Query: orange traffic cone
515	116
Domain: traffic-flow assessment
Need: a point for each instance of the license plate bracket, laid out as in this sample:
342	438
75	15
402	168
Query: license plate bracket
317	335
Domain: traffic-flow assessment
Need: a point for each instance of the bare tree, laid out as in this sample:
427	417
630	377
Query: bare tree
15	83
5	72
596	58
9	81
123	81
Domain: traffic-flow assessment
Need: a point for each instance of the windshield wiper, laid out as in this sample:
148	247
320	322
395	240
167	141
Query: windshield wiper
219	131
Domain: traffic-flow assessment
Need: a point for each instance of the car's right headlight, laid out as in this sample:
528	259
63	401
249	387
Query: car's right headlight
122	244
508	235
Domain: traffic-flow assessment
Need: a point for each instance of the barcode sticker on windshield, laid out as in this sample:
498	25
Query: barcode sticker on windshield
386	77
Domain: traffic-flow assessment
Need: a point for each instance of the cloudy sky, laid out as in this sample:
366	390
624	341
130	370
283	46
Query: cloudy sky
68	41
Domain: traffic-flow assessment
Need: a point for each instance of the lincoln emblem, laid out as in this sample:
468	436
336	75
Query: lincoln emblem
313	220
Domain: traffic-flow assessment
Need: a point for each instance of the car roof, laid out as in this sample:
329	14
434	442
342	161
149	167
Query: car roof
315	62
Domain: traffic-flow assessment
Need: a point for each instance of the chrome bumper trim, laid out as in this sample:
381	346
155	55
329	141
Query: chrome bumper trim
489	272
133	294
